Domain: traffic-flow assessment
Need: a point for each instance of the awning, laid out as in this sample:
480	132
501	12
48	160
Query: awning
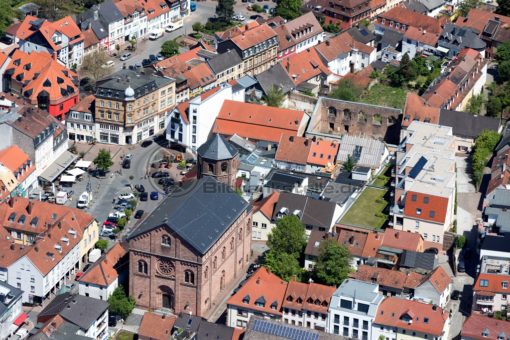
442	49
66	178
83	164
58	166
20	319
75	172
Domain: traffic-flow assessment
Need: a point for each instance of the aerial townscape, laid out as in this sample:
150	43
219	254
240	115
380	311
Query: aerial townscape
254	169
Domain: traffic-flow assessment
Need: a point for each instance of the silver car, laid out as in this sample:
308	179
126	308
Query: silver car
125	56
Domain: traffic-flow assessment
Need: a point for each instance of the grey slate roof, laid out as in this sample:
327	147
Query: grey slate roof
499	209
432	4
361	291
416	6
8	296
275	76
391	38
467	125
455	37
361	34
217	148
198	214
412	259
313	212
224	61
338	192
496	243
79	310
283	181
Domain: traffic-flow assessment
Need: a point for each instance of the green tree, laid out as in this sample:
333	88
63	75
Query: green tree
197	27
289	9
504	71
346	90
6	14
503	7
274	97
460	241
288	237
331	28
494	106
349	164
225	10
103	161
503	52
120	304
466	5
283	265
332	265
475	104
102	244
484	145
93	65
121	223
169	48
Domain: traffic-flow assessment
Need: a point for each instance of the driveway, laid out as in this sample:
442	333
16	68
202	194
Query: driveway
468	198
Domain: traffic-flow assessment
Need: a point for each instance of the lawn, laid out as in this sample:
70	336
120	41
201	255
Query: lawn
381	180
367	210
123	335
384	95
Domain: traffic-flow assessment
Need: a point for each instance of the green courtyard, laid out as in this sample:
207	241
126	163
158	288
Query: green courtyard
368	210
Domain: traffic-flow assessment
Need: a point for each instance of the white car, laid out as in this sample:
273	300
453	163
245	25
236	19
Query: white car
170	28
125	56
117	214
109	63
240	17
126	196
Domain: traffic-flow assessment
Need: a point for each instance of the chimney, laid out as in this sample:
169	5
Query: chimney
29	207
59	224
291	138
11	202
396	235
327	42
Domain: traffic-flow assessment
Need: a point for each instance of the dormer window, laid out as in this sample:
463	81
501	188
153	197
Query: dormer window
260	302
12	217
246	299
274	305
21	219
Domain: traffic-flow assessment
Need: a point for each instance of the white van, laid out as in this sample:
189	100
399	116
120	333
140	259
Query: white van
84	200
61	197
156	34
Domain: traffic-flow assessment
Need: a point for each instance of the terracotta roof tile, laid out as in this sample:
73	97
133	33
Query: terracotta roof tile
267	204
236	30
156	327
13	158
304	66
404	240
426	318
263	287
354	240
492	283
253	36
308	296
103	272
90	38
476	324
387	277
257	122
422	36
323	152
128	7
434	211
372	244
478	18
417	108
439	279
154	8
500	171
85	104
343	43
410	18
293	149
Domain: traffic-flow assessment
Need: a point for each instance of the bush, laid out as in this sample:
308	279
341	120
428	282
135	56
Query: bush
102	245
198	27
122	223
257	8
116	230
128	213
484	145
133	203
121	304
460	241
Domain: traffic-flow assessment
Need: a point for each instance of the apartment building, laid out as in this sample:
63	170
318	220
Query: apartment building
257	45
306	305
11	312
80	121
17	173
132	106
345	14
135	19
490	293
353	309
424	181
61	38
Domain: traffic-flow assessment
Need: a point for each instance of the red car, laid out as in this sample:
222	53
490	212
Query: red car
109	225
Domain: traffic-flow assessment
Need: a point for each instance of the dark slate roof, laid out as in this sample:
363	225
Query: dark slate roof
505	140
275	76
313	212
391	38
217	148
209	330
467	125
79	310
188	322
109	12
346	178
496	243
378	65
99	30
13	294
416	6
412	259
283	181
338	192
457	37
224	61
198	214
361	34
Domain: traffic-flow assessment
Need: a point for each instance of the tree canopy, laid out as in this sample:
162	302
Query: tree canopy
289	9
103	161
332	265
169	48
102	245
349	164
503	7
120	304
466	5
484	146
274	97
225	10
92	65
346	90
284	265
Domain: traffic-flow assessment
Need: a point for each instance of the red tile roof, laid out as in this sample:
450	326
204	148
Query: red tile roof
156	327
304	66
422	36
477	324
494	283
18	162
410	18
257	122
267	204
353	239
478	18
103	272
434	211
417	108
253	36
293	149
262	287
341	44
372	245
308	296
426	318
90	38
38	72
323	152
439	279
387	277
236	30
128	7
154	8
85	104
500	171
404	240
298	30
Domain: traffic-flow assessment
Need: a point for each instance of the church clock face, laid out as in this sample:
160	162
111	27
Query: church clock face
166	268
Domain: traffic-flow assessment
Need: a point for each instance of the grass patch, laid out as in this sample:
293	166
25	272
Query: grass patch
385	95
124	335
368	209
381	181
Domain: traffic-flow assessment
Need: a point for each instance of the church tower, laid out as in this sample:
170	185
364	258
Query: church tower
218	158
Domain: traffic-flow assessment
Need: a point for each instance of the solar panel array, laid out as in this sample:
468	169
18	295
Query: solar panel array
283	331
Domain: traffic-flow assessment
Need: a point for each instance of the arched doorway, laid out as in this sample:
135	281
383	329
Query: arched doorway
222	280
167	297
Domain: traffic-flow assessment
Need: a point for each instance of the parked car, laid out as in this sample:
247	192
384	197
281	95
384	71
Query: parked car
266	8
108	64
126	196
126	164
153	58
109	225
135	67
166	181
455	295
117	214
113	319
160	57
193	6
106	233
160	174
146	143
144	196
125	56
139	214
140	188
154	196
461	266
146	62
